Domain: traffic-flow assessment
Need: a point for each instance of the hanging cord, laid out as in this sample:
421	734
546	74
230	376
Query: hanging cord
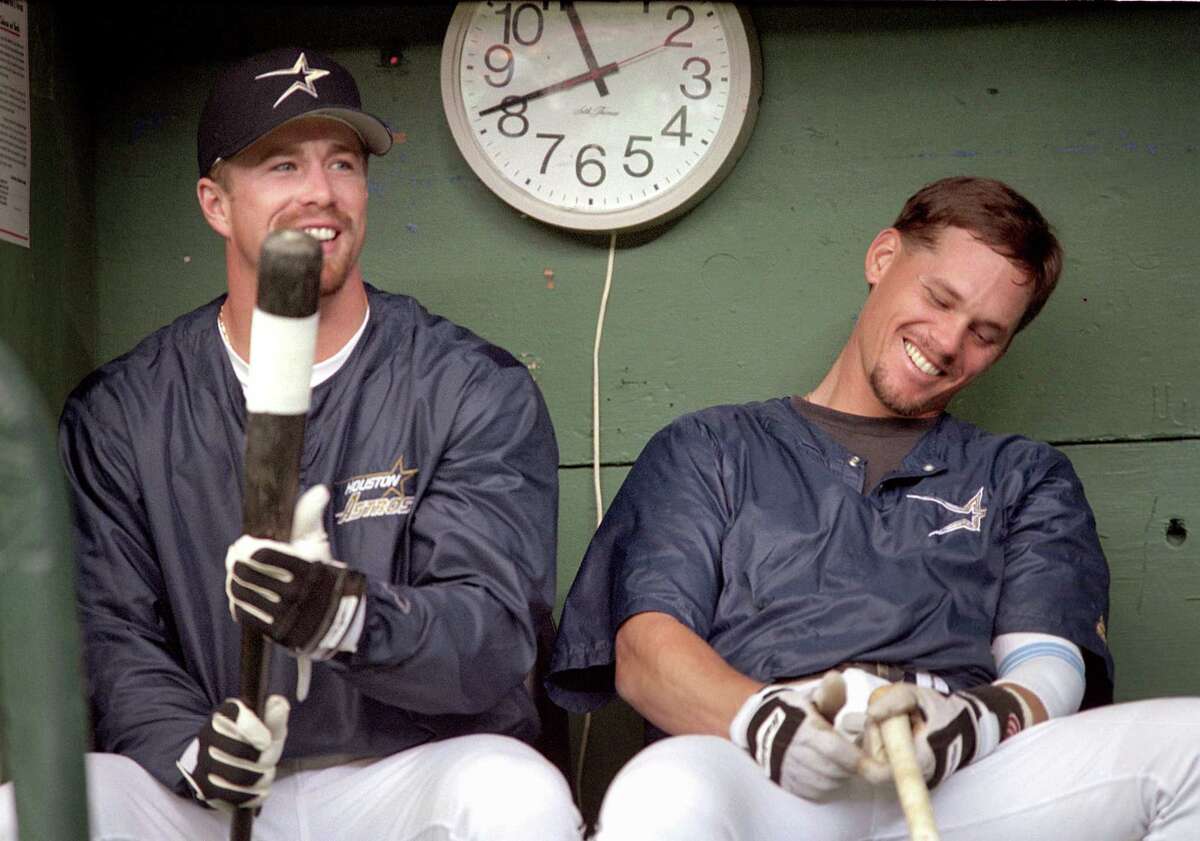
612	251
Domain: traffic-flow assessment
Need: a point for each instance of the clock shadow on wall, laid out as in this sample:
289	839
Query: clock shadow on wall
600	117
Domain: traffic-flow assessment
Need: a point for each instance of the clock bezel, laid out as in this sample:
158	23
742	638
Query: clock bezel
737	124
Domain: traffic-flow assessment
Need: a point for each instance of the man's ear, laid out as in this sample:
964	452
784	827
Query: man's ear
886	246
214	204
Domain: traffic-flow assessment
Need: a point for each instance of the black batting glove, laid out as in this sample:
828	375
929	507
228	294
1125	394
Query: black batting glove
231	762
305	606
295	593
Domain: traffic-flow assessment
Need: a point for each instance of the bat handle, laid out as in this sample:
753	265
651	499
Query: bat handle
242	828
255	664
910	782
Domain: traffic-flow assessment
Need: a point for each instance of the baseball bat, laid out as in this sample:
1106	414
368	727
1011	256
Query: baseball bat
283	339
897	737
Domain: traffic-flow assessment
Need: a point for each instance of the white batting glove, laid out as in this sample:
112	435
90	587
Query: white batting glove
231	762
787	729
949	730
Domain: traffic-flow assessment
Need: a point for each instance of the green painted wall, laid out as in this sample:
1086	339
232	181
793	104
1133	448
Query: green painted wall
47	292
1092	111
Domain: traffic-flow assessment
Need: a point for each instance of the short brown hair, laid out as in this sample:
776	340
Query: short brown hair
996	215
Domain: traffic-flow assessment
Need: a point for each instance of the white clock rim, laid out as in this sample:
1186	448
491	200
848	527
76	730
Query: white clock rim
723	153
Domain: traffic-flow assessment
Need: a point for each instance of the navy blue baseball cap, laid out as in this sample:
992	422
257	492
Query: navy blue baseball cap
261	93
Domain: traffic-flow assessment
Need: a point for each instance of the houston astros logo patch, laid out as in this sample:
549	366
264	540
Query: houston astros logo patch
380	494
974	511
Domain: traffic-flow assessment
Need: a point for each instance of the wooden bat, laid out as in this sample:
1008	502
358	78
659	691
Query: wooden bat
283	338
896	733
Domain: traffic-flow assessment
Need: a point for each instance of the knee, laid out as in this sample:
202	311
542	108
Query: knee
682	787
508	784
112	772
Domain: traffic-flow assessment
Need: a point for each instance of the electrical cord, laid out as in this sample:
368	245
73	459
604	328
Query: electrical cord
612	251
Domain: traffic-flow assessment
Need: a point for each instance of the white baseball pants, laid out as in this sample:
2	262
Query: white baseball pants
470	788
1129	772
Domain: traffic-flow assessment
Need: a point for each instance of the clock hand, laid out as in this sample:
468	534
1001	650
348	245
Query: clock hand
639	56
585	47
594	75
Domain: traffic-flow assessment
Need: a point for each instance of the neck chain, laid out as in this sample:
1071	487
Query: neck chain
221	326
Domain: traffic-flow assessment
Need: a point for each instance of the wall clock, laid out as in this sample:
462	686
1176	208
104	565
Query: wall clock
601	116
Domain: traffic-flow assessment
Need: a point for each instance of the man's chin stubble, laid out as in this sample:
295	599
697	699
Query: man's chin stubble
892	402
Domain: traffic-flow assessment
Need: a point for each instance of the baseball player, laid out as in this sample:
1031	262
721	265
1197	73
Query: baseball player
862	530
423	555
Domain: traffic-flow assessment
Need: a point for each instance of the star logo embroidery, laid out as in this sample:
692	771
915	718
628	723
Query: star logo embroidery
973	509
300	68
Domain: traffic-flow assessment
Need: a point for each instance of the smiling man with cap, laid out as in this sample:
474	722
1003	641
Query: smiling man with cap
421	572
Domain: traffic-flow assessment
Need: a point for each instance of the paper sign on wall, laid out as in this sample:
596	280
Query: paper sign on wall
14	122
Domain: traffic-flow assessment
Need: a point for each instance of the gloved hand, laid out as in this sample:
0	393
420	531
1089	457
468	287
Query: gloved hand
231	762
949	731
295	593
787	729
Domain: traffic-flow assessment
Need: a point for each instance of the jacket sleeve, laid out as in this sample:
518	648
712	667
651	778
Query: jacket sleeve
1056	577
460	634
658	549
144	704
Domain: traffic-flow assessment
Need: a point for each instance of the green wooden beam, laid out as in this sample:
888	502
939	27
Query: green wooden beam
41	698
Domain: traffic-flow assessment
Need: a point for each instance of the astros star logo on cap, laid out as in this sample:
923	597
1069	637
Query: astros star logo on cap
300	68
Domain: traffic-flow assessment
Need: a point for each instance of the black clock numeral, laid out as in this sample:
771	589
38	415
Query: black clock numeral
581	162
506	67
681	132
702	76
557	138
509	106
512	23
691	18
645	155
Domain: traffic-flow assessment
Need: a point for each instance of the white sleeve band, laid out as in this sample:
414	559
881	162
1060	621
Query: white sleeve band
280	375
350	641
342	635
1048	666
335	639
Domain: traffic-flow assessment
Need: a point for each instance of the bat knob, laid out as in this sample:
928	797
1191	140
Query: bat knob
830	696
289	274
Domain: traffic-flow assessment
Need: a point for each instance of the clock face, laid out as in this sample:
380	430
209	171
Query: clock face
603	116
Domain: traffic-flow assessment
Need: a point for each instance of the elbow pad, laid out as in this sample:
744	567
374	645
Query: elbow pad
1048	666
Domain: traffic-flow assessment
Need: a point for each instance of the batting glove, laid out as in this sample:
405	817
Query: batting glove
295	593
787	730
231	763
949	730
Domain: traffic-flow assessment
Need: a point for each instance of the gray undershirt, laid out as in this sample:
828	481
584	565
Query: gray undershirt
882	443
